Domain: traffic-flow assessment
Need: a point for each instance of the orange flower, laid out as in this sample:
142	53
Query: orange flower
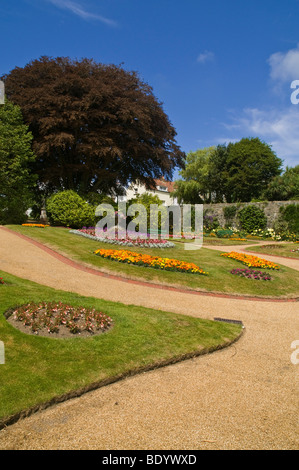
141	259
35	225
251	261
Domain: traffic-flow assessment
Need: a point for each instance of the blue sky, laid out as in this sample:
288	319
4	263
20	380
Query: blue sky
222	69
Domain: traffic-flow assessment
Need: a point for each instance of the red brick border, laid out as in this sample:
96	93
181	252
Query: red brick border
96	272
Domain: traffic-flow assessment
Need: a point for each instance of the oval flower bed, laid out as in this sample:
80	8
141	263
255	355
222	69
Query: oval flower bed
252	274
139	259
58	319
251	261
143	243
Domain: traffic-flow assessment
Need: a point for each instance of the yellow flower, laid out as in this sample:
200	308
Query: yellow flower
131	257
251	261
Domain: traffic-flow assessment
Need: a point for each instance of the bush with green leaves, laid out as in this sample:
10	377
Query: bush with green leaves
224	233
290	216
210	222
252	218
68	209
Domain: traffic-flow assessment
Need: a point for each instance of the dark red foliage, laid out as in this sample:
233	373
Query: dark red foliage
95	126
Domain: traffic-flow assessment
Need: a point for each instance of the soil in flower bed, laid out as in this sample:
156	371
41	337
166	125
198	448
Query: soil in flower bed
57	320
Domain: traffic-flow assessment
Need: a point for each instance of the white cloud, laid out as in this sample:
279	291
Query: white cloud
80	11
206	56
285	65
279	128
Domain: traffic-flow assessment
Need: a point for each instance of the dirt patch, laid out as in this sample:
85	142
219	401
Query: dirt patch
57	320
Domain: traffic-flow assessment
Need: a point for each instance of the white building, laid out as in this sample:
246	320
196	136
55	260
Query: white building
163	190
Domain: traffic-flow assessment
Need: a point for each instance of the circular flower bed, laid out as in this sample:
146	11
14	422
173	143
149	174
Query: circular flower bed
58	320
252	274
142	243
140	259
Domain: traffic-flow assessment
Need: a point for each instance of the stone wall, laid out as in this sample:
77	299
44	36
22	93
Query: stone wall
270	208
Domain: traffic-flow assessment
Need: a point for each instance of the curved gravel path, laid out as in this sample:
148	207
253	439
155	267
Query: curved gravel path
243	397
289	262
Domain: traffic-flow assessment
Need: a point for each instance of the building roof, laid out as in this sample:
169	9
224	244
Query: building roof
162	182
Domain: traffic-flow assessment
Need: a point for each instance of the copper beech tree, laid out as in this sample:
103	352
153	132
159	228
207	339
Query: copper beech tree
96	127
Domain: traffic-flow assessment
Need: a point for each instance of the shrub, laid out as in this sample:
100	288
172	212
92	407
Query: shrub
67	208
290	215
210	222
252	218
224	233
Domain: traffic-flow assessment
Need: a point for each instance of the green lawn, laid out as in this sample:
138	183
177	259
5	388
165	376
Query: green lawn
37	369
284	284
279	249
226	241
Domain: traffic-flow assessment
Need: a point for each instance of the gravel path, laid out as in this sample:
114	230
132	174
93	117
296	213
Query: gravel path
289	262
243	397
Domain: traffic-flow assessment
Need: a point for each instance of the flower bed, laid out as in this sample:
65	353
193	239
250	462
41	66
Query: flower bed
252	274
251	261
35	225
1	281
50	318
143	243
238	239
139	259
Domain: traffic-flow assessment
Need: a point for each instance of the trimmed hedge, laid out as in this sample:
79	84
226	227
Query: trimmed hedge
290	214
252	218
68	209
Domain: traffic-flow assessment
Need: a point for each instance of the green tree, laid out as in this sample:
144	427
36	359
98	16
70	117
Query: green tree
96	127
16	180
242	170
218	174
194	187
284	187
